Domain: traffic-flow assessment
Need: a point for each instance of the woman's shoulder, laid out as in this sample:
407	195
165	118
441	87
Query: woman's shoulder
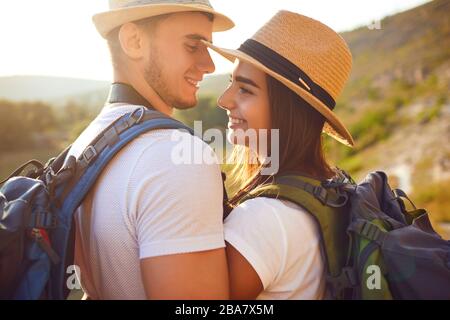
274	236
265	205
260	203
271	209
260	208
270	213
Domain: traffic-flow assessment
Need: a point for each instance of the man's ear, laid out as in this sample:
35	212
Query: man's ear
131	41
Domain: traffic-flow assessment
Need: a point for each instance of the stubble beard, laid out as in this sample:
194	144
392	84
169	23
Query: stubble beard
154	76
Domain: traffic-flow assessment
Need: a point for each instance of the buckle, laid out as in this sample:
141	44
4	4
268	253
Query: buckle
347	279
340	201
321	194
350	276
89	153
44	220
139	112
370	231
49	176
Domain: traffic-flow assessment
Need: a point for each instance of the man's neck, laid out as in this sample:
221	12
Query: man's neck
123	93
146	91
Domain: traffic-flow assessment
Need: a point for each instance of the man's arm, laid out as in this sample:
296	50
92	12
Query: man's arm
176	210
198	275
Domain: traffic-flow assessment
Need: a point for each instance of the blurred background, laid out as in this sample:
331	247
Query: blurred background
55	72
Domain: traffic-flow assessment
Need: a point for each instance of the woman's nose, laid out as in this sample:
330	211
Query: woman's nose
225	101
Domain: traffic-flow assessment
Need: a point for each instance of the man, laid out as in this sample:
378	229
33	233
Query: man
154	228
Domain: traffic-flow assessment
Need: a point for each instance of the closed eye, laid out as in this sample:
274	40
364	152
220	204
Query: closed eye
244	91
191	48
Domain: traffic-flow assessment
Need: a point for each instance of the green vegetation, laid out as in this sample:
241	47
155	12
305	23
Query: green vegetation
433	112
206	111
9	161
434	197
26	125
36	130
21	123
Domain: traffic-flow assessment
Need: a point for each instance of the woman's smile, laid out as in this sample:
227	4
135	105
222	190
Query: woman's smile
235	123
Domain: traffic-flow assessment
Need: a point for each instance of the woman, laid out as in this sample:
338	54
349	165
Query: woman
287	77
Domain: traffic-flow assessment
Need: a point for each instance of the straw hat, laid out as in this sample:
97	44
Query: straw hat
123	11
306	56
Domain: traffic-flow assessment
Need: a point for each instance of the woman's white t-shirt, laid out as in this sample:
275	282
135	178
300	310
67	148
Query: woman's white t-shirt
281	242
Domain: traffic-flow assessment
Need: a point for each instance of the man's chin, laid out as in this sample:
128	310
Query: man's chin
184	105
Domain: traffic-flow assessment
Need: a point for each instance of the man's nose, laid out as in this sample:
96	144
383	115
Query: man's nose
205	63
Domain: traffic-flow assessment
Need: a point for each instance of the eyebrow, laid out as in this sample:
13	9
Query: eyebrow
247	81
197	37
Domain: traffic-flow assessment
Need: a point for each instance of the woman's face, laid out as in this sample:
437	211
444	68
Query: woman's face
247	102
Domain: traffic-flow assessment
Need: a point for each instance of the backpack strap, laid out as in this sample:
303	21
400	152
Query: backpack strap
89	165
112	139
83	240
329	208
330	199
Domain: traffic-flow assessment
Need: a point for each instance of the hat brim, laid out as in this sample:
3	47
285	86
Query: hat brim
333	126
107	21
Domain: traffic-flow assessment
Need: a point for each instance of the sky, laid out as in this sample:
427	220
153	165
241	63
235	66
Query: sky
58	38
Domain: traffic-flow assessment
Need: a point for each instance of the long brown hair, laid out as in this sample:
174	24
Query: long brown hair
300	142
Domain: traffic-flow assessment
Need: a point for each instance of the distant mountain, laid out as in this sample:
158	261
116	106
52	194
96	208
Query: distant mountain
397	103
58	91
409	46
54	90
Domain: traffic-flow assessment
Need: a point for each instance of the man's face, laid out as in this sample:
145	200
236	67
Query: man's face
175	58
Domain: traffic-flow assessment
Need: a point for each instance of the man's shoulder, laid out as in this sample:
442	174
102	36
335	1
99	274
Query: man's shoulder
177	147
155	150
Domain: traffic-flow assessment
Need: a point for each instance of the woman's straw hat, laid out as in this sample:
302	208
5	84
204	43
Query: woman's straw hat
123	11
306	56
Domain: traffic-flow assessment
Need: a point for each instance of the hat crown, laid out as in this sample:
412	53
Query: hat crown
312	46
118	4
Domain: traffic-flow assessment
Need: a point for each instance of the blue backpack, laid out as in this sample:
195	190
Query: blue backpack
37	209
374	247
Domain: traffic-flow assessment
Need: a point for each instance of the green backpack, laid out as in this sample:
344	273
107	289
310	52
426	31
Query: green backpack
374	248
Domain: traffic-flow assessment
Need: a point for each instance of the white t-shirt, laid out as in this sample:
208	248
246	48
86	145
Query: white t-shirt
281	242
145	205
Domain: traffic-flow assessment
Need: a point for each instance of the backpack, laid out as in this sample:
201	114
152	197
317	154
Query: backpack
374	248
37	209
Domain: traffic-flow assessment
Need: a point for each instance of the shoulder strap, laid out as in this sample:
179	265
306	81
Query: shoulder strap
314	198
108	143
87	168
